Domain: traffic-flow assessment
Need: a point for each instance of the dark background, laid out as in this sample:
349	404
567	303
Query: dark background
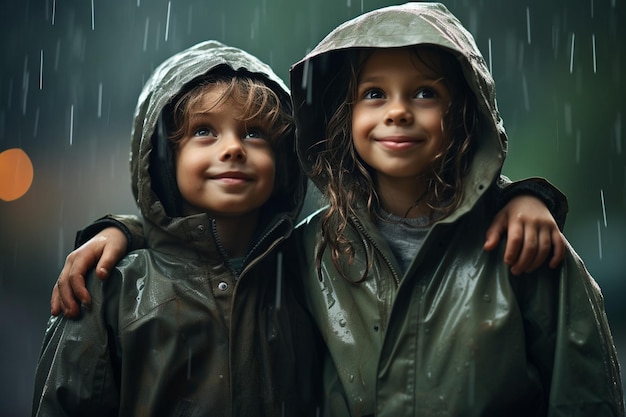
71	71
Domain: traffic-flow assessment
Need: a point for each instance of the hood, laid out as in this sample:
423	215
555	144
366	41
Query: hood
155	190
317	83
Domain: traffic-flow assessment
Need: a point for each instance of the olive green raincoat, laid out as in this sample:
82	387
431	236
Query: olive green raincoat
175	331
456	334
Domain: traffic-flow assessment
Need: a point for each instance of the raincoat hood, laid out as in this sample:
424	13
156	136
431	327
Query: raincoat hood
317	84
155	190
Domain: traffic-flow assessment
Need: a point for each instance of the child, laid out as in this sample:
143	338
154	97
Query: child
398	127
175	331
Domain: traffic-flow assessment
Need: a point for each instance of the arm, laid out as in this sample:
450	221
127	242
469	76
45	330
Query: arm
104	243
76	372
533	211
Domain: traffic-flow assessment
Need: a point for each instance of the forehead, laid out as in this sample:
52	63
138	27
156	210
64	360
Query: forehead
425	61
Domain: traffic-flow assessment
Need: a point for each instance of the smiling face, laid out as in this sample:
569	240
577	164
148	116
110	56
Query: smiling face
397	118
224	165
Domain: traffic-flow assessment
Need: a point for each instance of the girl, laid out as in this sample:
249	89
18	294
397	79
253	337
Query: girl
398	127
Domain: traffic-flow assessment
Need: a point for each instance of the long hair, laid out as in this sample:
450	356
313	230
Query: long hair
349	182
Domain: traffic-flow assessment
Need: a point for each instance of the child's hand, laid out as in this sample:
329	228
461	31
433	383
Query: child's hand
105	249
531	234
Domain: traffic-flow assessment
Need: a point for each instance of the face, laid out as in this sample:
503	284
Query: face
224	166
397	116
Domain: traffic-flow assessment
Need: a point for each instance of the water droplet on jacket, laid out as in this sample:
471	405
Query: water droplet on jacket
487	298
342	322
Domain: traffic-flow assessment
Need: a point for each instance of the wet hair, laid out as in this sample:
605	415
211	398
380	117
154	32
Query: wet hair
259	102
349	181
265	107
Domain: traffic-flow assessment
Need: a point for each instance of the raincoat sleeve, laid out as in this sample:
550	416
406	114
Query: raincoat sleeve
129	224
76	373
569	341
537	187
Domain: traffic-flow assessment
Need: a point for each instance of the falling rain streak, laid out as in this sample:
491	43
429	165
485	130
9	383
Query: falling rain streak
571	59
603	206
41	70
593	51
93	20
490	56
167	21
528	23
71	124
279	278
99	100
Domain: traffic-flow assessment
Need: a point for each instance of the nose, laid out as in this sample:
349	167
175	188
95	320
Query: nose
399	112
232	149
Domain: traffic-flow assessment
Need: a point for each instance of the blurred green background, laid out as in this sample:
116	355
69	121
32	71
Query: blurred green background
71	71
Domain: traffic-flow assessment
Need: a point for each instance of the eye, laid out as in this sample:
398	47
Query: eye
427	93
203	131
373	94
255	133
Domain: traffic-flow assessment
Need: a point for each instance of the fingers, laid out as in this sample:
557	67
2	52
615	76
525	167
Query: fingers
56	307
517	249
495	232
558	242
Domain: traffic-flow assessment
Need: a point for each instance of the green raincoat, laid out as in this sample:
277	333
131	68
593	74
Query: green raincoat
456	334
175	331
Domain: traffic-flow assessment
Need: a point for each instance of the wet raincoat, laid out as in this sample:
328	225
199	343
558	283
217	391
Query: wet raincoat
174	331
456	334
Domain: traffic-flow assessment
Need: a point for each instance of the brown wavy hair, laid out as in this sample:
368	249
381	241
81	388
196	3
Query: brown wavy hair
259	102
349	182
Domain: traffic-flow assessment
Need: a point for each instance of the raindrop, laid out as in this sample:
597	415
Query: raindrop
57	54
138	3
54	10
593	49
25	78
348	3
145	34
599	241
71	123
571	59
93	19
36	124
592	9
528	23
41	69
490	57
167	21
603	206
99	100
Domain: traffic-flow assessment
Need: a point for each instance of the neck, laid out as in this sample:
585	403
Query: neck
403	197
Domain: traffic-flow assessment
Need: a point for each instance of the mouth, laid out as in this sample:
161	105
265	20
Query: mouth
399	142
232	177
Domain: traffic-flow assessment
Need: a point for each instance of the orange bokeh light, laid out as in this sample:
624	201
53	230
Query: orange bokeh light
16	174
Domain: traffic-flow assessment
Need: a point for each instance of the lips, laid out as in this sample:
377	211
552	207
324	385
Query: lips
398	142
235	177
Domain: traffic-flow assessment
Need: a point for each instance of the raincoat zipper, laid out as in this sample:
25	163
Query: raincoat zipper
361	228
